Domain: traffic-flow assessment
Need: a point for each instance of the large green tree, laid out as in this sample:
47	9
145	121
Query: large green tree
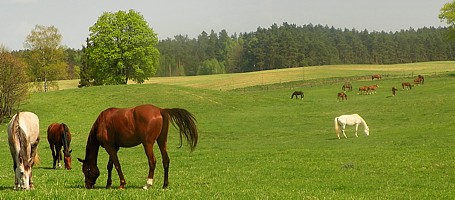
120	47
45	56
448	15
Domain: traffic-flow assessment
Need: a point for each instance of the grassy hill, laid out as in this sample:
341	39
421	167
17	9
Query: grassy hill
258	143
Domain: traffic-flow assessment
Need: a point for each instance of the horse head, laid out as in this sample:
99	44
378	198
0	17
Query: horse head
367	131
23	173
67	158
91	173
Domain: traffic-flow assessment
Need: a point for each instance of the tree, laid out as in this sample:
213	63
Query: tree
45	55
13	83
121	46
448	15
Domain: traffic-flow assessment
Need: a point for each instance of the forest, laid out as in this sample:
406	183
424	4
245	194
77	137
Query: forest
289	45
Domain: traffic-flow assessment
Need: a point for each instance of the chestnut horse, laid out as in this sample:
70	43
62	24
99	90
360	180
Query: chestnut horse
342	96
297	94
129	127
406	85
376	76
23	138
418	81
58	136
422	78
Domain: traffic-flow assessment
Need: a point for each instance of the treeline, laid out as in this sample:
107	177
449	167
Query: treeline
289	45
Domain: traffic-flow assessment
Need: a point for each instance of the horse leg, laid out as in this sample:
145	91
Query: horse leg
114	158
110	164
162	143
356	128
32	156
342	130
148	148
54	156
58	150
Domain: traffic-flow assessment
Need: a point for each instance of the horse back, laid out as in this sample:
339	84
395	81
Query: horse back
29	123
127	127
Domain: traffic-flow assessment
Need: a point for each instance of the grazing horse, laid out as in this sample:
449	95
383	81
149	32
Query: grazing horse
23	138
58	136
129	127
418	81
376	76
394	90
347	87
422	78
363	90
350	120
372	89
342	96
296	94
406	85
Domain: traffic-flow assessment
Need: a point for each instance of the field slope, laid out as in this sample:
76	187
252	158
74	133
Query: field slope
258	143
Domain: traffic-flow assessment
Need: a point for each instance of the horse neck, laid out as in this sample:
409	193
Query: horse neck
92	148
364	123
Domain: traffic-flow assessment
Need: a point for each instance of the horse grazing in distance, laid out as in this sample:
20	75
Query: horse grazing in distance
297	94
422	78
363	90
394	90
23	138
418	81
406	85
58	136
372	89
376	76
342	96
346	87
129	127
351	120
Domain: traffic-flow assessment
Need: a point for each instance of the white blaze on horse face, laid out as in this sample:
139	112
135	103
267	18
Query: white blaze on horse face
23	177
367	132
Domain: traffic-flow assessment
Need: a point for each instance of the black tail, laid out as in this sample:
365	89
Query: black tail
185	122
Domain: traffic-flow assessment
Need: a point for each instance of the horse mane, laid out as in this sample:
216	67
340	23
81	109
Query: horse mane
65	137
22	138
363	122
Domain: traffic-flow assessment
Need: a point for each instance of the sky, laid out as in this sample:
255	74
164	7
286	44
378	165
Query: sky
169	18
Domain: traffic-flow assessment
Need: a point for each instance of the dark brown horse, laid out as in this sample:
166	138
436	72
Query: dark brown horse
394	90
376	76
129	127
418	81
58	136
406	85
347	87
422	78
297	94
342	96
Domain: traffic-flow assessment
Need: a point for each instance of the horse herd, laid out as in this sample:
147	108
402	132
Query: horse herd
356	119
114	128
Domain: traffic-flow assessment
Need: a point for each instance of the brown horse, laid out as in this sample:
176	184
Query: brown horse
406	85
342	96
363	90
418	81
129	127
422	78
346	87
58	136
394	90
297	94
372	89
376	76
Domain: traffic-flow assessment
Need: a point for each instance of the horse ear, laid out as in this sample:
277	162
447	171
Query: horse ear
80	160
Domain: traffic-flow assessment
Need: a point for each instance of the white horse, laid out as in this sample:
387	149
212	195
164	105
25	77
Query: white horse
350	120
23	138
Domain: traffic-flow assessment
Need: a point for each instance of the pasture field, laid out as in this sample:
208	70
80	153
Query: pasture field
258	143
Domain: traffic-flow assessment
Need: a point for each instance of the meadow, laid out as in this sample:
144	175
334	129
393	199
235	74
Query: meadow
255	142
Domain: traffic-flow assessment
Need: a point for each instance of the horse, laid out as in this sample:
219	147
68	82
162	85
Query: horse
346	87
129	127
376	76
363	90
58	136
342	96
406	85
23	139
372	89
422	78
296	94
350	120
394	90
418	81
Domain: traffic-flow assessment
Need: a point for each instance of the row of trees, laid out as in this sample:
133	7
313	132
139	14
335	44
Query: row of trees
289	45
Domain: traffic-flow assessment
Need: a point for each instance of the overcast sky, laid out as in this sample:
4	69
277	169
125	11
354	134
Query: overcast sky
190	17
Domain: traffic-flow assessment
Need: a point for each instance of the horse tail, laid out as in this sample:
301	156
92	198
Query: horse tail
185	122
337	127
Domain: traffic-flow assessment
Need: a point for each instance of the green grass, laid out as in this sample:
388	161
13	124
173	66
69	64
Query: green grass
257	143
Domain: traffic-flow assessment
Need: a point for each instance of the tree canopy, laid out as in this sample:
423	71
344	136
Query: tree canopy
120	47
